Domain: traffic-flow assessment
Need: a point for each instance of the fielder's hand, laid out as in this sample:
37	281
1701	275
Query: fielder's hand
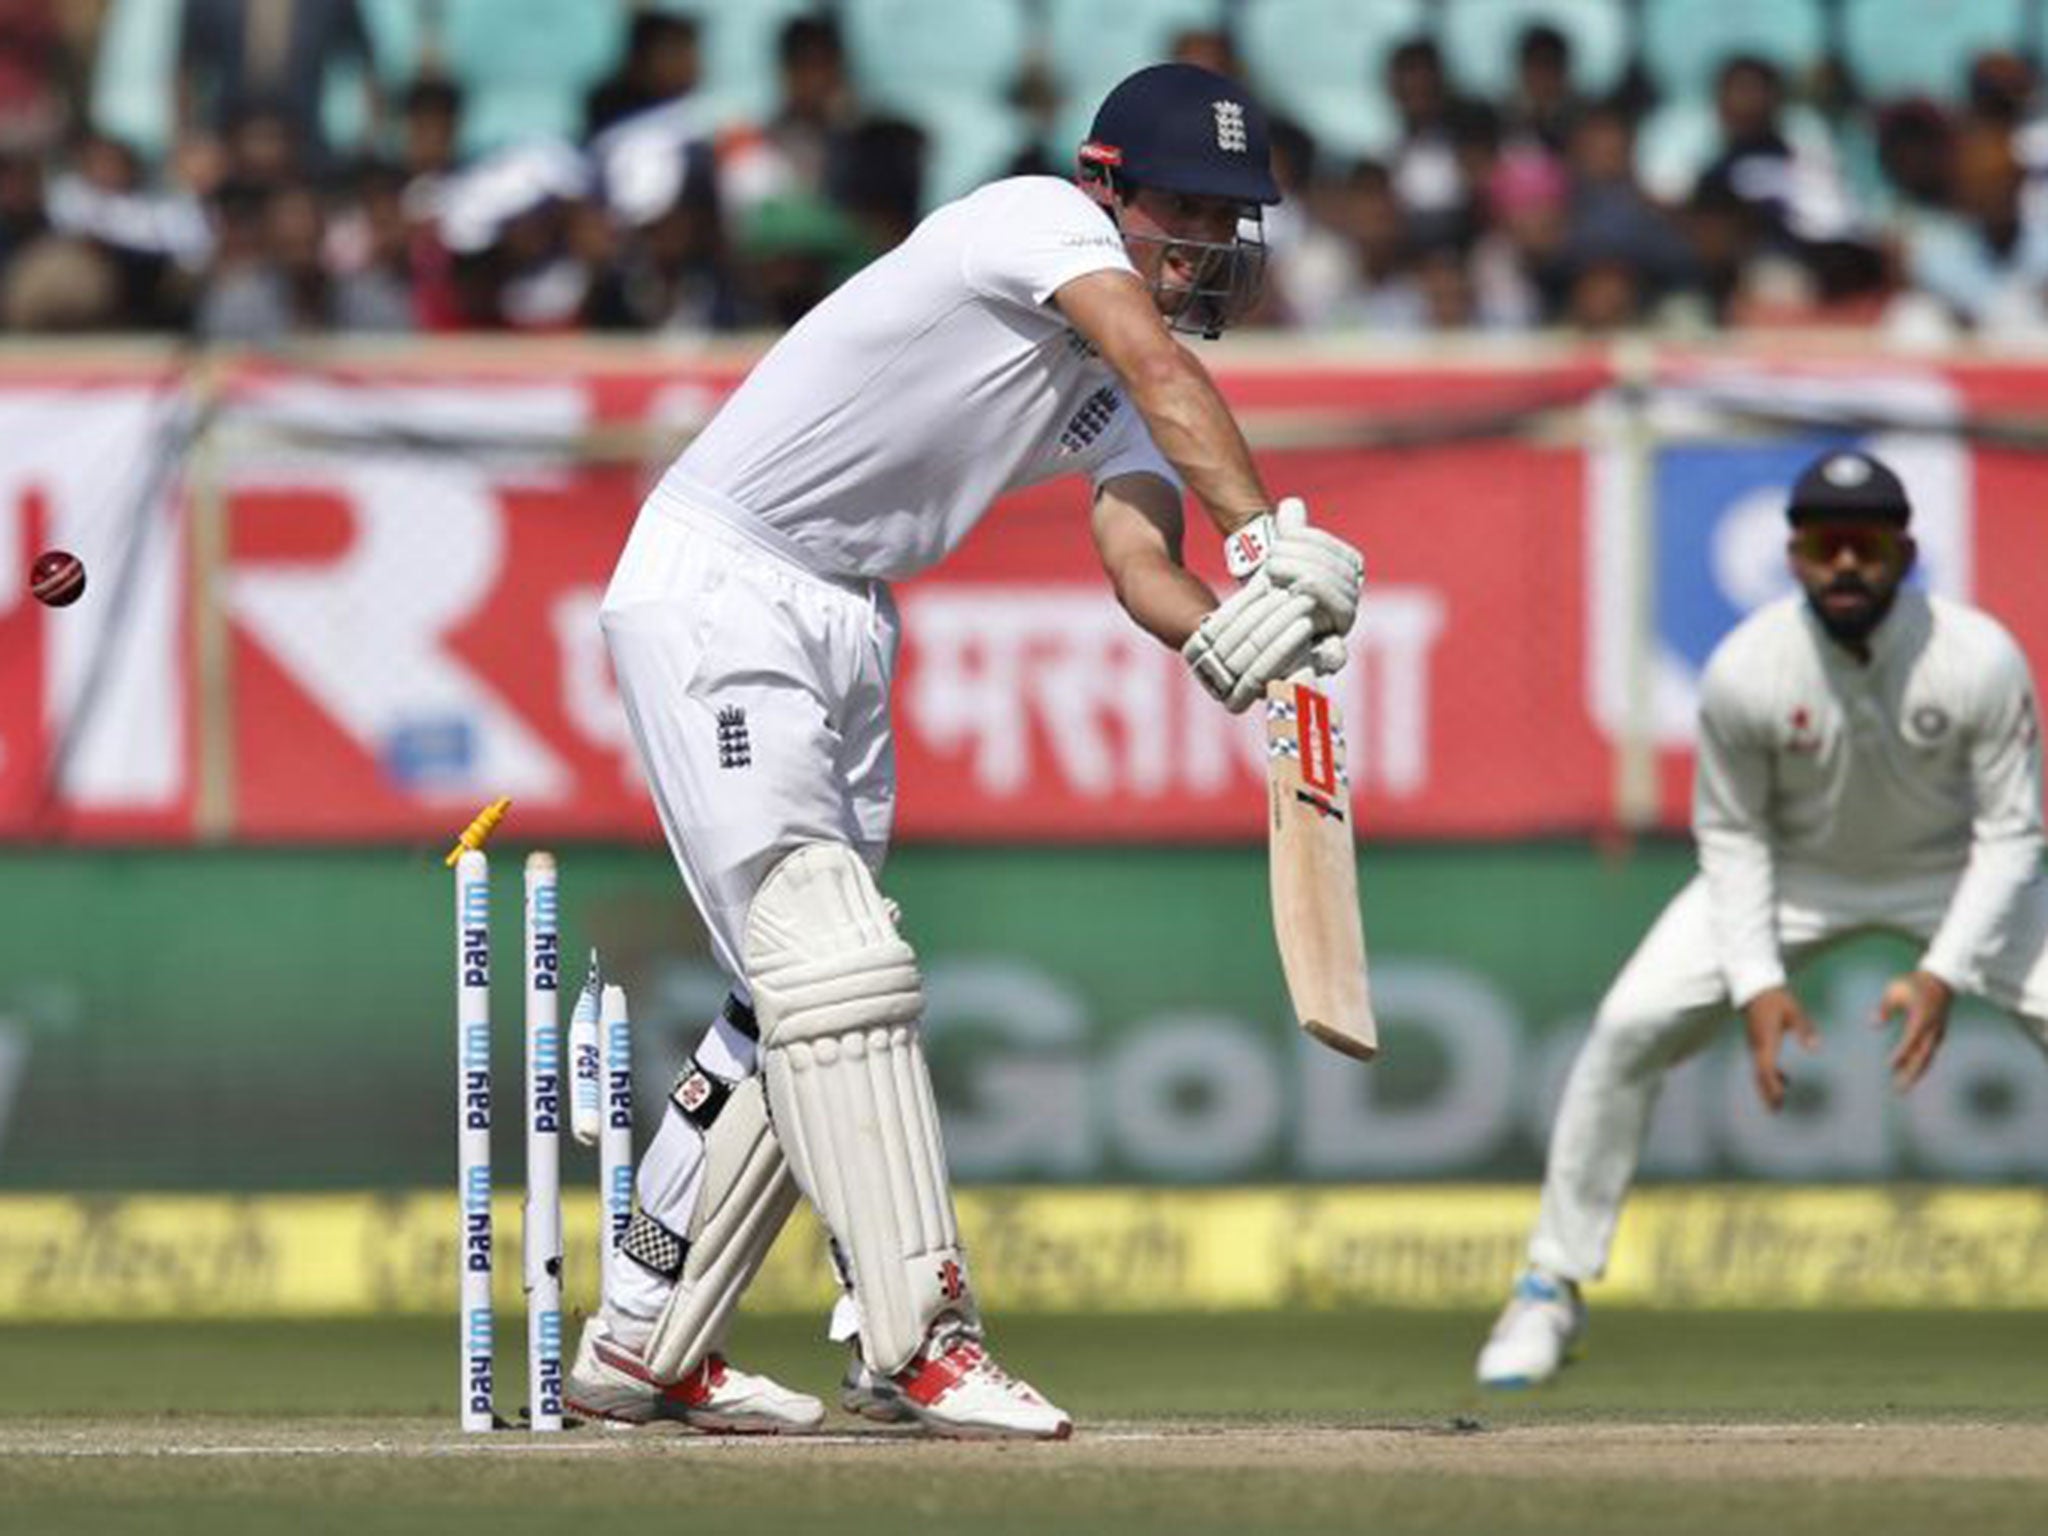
1767	1019
1257	634
1298	558
1923	1000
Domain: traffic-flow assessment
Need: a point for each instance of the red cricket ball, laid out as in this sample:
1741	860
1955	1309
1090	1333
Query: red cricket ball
57	578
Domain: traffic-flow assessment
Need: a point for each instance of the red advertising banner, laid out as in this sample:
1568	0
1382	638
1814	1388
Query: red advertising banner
356	604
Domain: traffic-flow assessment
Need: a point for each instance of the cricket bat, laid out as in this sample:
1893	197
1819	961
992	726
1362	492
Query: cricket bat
1312	853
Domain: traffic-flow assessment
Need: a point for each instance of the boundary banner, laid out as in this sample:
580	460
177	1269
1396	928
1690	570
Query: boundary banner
1119	1250
354	602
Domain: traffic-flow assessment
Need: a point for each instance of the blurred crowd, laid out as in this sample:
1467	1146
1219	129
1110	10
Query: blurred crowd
296	179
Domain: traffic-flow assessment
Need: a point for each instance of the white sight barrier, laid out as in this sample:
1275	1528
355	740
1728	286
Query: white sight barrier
602	1112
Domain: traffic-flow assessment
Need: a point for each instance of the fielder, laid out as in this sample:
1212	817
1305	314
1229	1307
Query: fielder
1020	333
1869	760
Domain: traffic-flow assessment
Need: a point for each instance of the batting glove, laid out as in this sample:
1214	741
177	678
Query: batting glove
1257	634
1296	557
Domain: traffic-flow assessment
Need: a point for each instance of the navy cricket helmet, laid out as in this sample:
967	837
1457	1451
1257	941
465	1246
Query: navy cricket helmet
1182	128
1847	485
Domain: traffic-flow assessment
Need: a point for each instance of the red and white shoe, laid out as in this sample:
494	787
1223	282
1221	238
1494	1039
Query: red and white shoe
955	1390
609	1381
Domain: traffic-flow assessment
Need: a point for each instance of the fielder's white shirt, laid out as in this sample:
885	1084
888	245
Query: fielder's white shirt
1836	776
876	432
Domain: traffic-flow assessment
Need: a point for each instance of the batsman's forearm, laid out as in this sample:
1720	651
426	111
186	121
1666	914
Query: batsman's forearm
1165	600
1194	429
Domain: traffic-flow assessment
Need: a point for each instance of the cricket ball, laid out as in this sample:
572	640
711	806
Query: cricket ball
57	578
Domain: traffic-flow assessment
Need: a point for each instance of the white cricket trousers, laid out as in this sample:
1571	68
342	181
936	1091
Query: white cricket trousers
1671	998
758	696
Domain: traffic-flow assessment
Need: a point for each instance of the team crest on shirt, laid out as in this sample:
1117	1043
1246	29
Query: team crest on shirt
1088	422
1929	723
1805	737
735	750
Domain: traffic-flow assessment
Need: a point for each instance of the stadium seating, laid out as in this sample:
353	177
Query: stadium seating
1090	46
738	42
133	75
1897	48
1680	138
1323	63
907	52
525	65
1685	43
1480	38
949	66
395	52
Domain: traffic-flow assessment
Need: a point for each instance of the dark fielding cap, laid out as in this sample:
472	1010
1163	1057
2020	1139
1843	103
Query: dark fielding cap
1182	128
1847	486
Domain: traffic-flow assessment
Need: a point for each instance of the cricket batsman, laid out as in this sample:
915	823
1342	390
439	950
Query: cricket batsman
1869	759
1023	332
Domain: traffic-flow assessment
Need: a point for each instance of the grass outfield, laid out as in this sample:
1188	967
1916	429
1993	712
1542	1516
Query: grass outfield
1790	1423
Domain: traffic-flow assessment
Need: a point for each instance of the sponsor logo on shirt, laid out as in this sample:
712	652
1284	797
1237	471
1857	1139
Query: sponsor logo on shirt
1088	422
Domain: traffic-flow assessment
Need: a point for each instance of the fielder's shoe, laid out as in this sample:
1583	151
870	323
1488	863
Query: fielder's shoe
609	1381
869	1396
1538	1331
956	1391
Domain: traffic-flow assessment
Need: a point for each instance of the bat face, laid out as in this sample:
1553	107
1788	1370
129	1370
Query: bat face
1313	858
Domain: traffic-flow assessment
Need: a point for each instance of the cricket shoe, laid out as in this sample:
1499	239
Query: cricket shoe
956	1391
1537	1333
870	1395
609	1381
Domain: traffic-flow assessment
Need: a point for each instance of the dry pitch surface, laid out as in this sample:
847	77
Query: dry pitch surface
1790	1453
386	1475
1334	1423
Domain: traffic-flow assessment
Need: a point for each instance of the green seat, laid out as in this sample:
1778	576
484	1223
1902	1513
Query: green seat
1323	64
134	71
1686	43
906	53
967	143
395	52
525	66
1090	46
1481	37
1897	48
738	42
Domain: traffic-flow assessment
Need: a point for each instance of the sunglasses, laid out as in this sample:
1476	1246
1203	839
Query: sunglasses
1823	544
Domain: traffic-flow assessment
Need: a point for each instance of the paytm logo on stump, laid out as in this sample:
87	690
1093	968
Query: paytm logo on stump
1683	547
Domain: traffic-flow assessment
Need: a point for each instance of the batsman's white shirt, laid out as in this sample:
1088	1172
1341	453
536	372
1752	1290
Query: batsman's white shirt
1832	797
749	624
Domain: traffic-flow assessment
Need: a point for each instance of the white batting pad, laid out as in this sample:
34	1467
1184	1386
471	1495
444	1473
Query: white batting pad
747	1196
838	998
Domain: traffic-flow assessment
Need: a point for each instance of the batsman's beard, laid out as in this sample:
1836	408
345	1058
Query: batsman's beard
1226	279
